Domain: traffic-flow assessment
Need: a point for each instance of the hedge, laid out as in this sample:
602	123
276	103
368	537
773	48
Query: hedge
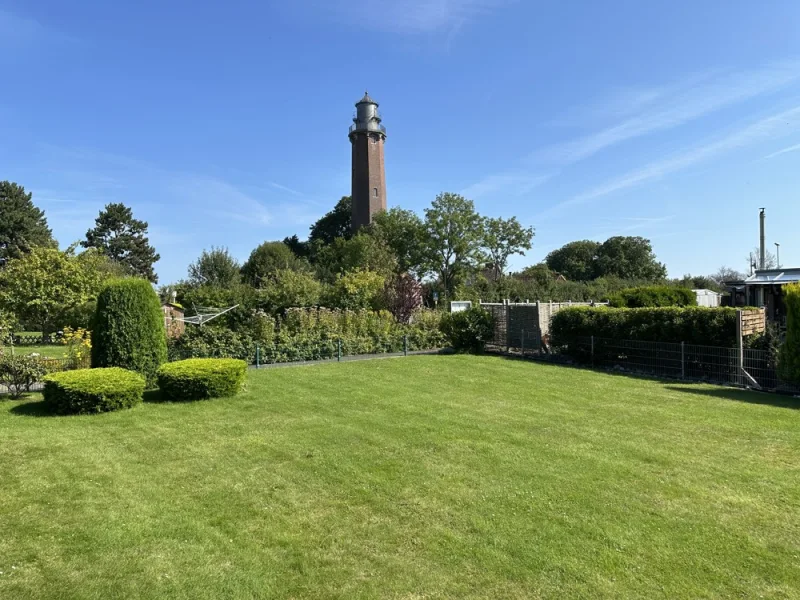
128	328
469	330
695	325
653	296
789	355
201	378
312	334
93	390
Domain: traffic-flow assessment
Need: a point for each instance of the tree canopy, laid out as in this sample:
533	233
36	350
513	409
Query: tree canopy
362	251
267	259
628	258
41	287
22	225
454	235
403	232
215	267
336	223
124	240
622	257
575	260
503	238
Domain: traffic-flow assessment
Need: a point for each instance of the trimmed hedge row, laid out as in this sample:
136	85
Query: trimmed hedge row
695	325
93	390
653	296
201	378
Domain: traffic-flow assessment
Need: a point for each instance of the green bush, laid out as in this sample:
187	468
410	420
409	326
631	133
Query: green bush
789	356
200	378
653	296
693	325
18	372
469	330
128	328
93	390
211	341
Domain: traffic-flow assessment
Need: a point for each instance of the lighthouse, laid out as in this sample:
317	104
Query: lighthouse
367	136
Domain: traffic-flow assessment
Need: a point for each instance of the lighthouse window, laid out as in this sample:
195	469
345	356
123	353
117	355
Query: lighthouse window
375	192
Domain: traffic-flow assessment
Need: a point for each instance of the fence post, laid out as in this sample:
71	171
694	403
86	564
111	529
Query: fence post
405	345
522	342
683	360
592	351
258	356
339	349
508	327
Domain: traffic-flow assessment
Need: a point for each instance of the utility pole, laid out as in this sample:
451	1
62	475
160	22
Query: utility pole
778	254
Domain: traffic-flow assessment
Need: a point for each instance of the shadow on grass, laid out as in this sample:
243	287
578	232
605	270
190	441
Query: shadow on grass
748	396
153	397
716	390
39	408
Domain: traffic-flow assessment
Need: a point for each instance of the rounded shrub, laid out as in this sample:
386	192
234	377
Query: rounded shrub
201	378
469	330
93	390
128	328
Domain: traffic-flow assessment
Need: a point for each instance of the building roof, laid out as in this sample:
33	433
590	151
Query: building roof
705	292
366	100
773	277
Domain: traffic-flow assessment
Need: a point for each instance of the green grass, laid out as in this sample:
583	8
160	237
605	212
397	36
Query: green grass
422	477
45	351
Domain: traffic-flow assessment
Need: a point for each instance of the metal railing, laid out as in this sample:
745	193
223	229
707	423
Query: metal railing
54	365
360	127
690	362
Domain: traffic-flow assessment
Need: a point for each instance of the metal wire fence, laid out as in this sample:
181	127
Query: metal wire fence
712	364
53	365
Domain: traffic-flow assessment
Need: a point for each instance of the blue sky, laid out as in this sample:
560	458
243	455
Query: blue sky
226	123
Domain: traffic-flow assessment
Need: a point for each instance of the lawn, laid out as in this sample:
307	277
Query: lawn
419	477
45	351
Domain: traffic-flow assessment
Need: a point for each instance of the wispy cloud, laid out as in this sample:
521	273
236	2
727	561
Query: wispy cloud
621	225
794	148
404	16
513	184
218	197
666	108
785	122
15	29
20	34
283	188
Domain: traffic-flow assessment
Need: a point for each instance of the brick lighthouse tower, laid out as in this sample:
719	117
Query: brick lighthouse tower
367	136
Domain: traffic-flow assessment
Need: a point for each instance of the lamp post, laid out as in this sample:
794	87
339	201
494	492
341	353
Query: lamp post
778	254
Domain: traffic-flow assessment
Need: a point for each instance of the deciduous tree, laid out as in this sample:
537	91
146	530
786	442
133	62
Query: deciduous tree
337	223
267	259
502	239
215	267
453	236
404	233
42	286
628	258
575	261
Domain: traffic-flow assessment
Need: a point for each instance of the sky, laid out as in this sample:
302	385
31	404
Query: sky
225	123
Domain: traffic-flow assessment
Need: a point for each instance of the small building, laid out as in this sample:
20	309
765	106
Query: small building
708	298
765	288
173	319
